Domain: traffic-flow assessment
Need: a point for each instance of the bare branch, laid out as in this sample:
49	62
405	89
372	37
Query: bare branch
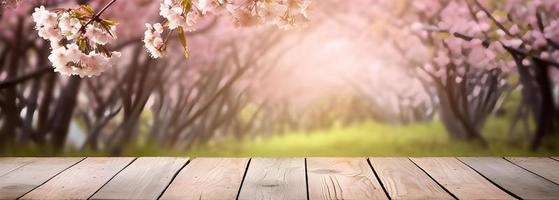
35	74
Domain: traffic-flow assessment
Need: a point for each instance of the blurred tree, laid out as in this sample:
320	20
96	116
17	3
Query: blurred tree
473	47
187	103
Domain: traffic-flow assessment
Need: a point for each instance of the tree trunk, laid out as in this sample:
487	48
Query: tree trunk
63	115
546	119
457	123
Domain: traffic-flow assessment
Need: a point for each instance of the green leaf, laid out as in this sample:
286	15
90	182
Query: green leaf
442	35
108	22
82	44
88	9
107	29
182	39
500	13
186	5
75	14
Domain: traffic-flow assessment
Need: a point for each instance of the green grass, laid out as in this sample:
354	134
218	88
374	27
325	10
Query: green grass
374	139
367	139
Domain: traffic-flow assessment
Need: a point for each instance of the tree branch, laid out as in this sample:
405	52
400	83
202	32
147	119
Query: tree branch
138	39
34	74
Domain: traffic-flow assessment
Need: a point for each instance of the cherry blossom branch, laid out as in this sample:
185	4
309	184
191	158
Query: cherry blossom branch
202	30
542	29
96	16
105	8
485	42
81	45
476	19
526	54
492	18
515	50
508	48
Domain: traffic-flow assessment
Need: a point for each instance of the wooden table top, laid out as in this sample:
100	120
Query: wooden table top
279	178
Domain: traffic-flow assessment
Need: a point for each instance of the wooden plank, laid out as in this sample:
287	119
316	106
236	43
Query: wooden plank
404	180
462	181
275	178
208	178
145	178
342	178
8	164
33	173
516	180
81	180
545	167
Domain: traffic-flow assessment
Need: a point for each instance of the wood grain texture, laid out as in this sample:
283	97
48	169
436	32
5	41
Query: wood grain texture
545	167
34	172
404	180
516	180
9	164
145	178
342	178
81	180
459	179
275	178
208	178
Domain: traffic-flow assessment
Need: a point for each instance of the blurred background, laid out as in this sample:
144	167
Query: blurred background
362	78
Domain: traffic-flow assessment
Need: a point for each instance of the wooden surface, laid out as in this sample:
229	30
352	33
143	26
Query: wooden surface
516	180
459	179
81	180
403	180
9	164
208	178
342	178
30	174
279	178
145	178
545	167
275	178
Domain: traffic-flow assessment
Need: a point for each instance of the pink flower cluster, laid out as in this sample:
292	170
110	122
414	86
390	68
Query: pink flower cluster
76	50
182	15
153	41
